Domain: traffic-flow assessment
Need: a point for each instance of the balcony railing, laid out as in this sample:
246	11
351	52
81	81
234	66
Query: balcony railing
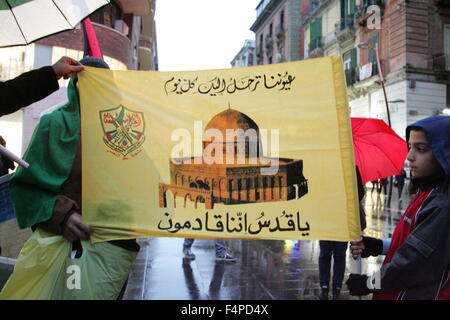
316	48
441	63
316	43
280	33
345	29
268	43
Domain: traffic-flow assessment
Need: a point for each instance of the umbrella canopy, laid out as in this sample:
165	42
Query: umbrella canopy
25	21
379	151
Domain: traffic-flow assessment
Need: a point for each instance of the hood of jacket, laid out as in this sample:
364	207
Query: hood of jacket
437	130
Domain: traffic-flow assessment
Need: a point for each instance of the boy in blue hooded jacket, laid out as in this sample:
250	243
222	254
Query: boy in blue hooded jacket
417	259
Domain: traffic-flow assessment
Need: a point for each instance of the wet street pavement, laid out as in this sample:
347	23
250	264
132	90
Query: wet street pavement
265	269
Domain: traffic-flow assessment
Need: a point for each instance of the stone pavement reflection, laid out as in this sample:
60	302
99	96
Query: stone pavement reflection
265	269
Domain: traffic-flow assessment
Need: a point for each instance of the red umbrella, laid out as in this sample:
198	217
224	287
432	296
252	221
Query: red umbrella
379	151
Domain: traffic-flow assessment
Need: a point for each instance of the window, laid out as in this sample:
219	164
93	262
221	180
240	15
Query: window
271	30
315	37
250	59
447	46
107	15
282	20
316	28
348	9
373	41
350	64
347	60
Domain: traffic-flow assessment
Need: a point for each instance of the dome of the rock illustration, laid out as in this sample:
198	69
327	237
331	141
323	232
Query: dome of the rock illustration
226	179
231	119
228	123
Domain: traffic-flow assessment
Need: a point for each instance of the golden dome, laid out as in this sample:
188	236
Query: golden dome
236	129
231	119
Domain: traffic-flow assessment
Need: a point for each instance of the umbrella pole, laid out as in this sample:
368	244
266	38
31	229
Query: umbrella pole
387	111
13	157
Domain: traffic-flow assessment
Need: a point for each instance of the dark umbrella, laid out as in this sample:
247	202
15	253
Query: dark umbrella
379	151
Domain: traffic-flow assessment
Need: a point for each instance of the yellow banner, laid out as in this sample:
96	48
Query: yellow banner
260	153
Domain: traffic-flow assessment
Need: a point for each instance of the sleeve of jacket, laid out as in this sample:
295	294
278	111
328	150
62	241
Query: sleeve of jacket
424	256
64	207
27	88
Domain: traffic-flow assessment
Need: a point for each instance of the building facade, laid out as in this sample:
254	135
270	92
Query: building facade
412	38
276	29
245	56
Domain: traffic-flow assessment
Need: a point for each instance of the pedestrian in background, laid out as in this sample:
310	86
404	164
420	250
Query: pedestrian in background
337	250
222	253
400	182
384	185
375	186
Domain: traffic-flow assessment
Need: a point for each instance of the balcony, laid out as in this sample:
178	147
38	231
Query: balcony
367	71
441	63
269	43
329	40
345	30
316	47
280	35
259	54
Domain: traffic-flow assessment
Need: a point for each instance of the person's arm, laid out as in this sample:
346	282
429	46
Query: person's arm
424	254
35	85
66	220
420	261
62	209
386	245
27	88
368	246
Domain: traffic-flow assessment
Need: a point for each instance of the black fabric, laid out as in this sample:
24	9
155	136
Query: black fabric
357	285
131	244
430	182
94	62
361	193
372	247
27	88
5	165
